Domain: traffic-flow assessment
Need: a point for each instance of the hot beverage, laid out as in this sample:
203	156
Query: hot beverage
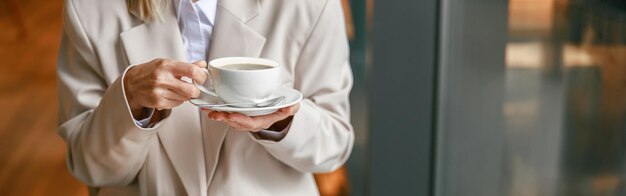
246	66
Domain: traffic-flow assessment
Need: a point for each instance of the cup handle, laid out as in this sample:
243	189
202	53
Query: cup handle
204	89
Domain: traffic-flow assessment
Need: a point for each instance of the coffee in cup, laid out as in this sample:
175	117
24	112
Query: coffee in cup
246	66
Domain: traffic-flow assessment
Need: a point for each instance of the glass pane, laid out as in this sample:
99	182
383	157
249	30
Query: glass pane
552	114
564	105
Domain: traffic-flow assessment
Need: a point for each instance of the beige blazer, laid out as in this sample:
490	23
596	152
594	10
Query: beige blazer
110	153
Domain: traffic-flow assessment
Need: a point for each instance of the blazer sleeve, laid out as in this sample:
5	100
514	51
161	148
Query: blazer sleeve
320	136
105	146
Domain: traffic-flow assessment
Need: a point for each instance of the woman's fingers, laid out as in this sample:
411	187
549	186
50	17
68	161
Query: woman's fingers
218	116
255	123
193	71
164	103
258	122
171	94
200	64
180	69
183	89
291	110
246	122
222	117
239	127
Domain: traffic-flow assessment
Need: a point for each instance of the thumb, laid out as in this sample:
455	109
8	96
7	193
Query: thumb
200	63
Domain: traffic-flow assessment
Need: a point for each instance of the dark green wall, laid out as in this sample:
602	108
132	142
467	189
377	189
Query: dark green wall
402	102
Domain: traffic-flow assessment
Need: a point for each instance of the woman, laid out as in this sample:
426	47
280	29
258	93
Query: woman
123	110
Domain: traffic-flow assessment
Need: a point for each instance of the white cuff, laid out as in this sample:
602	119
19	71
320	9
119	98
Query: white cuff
144	123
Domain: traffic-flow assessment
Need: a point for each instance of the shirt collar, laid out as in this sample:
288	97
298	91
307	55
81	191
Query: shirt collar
208	7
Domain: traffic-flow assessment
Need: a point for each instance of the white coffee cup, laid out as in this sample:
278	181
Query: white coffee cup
243	79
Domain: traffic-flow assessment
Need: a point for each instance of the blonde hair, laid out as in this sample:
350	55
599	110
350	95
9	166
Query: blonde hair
147	10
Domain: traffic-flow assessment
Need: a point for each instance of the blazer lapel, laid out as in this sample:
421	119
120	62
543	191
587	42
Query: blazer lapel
231	37
157	39
182	142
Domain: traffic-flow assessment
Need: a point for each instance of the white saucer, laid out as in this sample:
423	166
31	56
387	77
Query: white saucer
292	96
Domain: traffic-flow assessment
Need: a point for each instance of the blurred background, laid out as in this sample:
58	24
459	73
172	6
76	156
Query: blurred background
451	97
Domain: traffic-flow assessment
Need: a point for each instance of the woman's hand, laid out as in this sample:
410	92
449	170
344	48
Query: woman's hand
241	122
157	84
